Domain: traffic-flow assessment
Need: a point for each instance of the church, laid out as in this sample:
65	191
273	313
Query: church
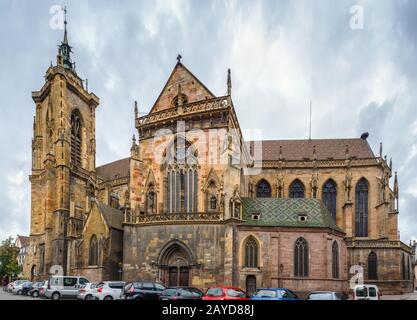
197	205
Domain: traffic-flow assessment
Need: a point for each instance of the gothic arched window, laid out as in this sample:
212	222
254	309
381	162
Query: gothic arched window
263	189
76	137
182	177
372	266
329	196
251	253
335	260
93	252
301	258
361	208
297	189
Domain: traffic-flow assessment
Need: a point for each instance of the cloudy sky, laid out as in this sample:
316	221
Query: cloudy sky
282	54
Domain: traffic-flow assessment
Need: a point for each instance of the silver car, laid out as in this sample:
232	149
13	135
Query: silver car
64	287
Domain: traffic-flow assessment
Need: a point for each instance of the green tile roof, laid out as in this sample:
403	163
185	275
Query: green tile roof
285	213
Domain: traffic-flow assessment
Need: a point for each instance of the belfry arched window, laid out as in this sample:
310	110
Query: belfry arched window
182	177
297	189
301	263
372	266
335	260
361	208
329	197
251	253
76	137
93	252
263	189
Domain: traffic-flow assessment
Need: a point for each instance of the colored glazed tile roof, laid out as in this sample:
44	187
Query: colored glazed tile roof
276	212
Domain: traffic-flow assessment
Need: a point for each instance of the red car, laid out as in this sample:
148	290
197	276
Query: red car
225	293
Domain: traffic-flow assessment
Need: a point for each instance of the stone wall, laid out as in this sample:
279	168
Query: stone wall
143	245
276	248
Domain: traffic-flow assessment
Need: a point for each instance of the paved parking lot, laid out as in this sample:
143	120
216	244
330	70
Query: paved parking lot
9	296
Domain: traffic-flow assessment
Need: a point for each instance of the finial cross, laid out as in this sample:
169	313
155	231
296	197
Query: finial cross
179	57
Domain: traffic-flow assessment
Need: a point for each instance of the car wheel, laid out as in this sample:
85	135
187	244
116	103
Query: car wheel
88	297
35	294
108	298
56	296
19	292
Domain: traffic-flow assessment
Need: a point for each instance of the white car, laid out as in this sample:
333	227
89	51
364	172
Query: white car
86	291
109	290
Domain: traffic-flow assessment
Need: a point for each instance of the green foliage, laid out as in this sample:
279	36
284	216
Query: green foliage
8	258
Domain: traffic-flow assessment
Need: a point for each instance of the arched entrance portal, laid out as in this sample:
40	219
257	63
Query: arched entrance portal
175	264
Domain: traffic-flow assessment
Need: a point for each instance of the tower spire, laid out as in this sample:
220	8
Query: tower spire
65	49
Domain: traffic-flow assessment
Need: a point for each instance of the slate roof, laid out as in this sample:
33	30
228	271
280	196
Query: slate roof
114	170
325	149
275	212
112	216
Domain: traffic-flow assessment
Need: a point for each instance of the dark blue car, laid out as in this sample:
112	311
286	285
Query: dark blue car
274	294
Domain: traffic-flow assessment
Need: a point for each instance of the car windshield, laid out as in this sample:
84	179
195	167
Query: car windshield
214	292
265	294
169	292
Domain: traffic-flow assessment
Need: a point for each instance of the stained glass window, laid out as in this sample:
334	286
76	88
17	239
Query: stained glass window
297	189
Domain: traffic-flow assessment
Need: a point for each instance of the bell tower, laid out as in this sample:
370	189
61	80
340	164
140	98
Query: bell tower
63	163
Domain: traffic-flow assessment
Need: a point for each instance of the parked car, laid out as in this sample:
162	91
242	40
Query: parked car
181	293
13	284
325	295
366	292
274	294
62	287
26	287
38	289
19	287
142	290
86	291
225	293
109	290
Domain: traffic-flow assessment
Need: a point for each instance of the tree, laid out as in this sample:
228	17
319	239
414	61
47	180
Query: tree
8	259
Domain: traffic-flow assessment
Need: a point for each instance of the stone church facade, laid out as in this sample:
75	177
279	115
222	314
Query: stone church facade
196	205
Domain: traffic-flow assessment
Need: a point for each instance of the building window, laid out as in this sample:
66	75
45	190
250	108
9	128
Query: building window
361	208
93	252
335	260
182	177
297	189
76	137
251	253
301	258
372	266
184	100
263	189
329	197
